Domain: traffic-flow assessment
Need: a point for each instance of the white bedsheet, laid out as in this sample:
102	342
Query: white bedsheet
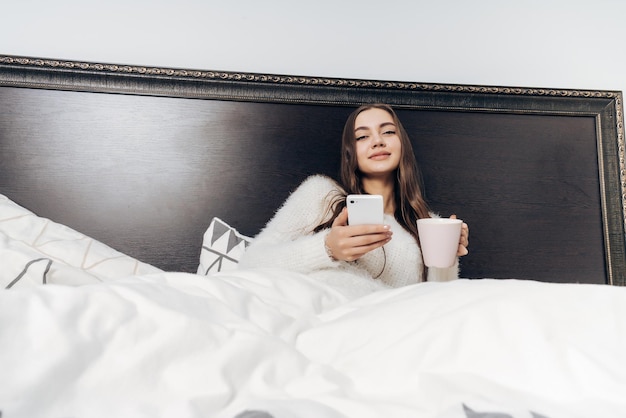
182	345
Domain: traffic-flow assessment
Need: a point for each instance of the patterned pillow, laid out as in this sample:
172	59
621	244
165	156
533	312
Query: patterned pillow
222	247
36	250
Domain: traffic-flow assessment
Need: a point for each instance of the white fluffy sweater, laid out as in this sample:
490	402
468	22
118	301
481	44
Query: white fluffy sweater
287	242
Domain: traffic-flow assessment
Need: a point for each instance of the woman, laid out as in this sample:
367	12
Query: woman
310	232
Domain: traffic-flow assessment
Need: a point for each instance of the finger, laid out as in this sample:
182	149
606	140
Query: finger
465	235
357	252
342	218
462	251
361	230
368	240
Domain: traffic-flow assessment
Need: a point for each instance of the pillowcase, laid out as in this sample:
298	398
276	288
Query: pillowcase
36	250
222	248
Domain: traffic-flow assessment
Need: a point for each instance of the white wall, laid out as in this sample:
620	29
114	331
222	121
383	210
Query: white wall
532	43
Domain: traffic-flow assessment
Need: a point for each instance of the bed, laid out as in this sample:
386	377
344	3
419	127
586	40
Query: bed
129	193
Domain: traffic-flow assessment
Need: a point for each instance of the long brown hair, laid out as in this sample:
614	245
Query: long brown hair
409	199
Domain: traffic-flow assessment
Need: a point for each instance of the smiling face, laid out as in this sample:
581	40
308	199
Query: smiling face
378	145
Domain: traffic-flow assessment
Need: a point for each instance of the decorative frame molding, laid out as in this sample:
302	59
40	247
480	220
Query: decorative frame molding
293	80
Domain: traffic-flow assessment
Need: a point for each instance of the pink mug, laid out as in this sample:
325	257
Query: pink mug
439	239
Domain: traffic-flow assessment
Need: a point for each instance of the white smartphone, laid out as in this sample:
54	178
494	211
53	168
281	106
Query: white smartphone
365	209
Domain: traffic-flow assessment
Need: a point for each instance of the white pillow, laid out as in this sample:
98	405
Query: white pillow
36	250
222	247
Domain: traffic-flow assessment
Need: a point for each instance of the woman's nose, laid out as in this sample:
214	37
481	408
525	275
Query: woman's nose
377	140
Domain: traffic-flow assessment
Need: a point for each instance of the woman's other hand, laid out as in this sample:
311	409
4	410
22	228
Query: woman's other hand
464	240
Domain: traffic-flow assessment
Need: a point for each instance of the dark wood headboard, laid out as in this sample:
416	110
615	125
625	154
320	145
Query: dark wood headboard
142	158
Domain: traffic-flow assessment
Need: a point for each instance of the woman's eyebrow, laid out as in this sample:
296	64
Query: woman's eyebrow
382	125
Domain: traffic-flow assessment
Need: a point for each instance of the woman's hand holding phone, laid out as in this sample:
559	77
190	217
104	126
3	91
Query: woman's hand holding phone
350	242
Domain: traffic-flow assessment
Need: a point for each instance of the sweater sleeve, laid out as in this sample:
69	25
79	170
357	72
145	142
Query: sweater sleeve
287	241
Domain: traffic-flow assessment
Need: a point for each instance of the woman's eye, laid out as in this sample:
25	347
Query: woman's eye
358	138
389	133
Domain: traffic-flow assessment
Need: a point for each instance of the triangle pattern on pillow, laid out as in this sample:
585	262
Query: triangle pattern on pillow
219	229
222	248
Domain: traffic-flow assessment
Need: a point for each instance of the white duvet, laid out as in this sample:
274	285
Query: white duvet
182	345
108	336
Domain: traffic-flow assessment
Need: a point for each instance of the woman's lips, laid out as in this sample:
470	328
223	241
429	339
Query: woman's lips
379	156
